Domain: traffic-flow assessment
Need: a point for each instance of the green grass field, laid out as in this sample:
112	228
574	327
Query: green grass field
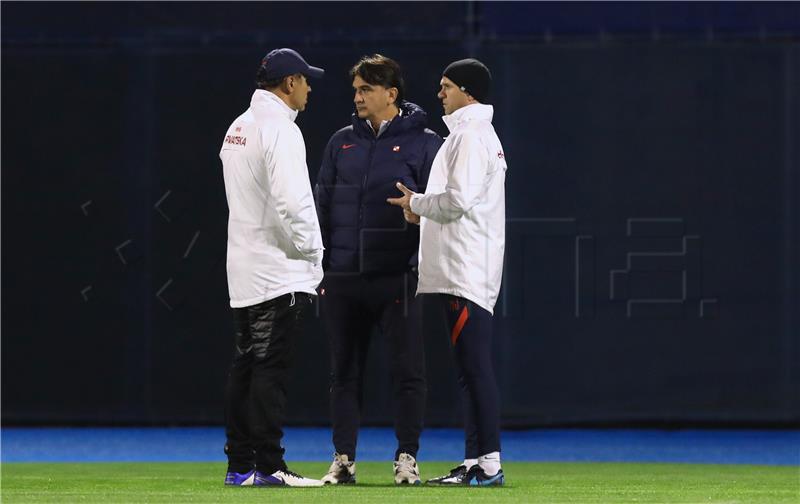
526	482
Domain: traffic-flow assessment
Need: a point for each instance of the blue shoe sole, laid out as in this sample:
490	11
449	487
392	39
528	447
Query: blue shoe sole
497	480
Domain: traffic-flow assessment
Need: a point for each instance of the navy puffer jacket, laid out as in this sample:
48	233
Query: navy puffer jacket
360	230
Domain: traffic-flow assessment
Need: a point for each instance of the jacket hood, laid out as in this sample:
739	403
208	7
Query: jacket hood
270	101
474	112
412	117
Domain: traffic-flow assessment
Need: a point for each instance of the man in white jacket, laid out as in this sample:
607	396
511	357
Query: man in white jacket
462	215
274	265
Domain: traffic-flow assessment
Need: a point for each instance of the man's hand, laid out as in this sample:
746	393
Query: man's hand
411	217
404	202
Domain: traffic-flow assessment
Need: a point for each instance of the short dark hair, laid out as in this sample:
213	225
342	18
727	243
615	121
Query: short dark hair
379	70
263	83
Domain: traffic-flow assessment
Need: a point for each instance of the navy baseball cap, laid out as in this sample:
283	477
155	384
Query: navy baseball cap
282	62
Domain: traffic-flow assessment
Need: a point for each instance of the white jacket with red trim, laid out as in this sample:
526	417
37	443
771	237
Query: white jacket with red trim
463	215
274	241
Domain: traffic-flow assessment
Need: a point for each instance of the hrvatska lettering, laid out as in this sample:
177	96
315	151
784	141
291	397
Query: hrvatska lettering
236	140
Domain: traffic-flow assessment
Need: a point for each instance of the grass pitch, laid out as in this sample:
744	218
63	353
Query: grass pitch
526	482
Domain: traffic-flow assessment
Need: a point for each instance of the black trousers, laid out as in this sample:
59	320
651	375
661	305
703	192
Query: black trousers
470	333
255	395
351	306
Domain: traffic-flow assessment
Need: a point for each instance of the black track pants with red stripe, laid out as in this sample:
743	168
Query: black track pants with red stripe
470	333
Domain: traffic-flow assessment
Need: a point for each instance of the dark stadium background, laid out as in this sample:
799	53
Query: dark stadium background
652	200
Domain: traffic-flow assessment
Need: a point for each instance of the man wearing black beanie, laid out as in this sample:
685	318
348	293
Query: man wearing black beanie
462	241
470	76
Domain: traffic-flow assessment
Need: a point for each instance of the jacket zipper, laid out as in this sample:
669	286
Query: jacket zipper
364	180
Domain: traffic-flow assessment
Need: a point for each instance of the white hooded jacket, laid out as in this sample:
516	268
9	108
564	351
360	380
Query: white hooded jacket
462	240
274	241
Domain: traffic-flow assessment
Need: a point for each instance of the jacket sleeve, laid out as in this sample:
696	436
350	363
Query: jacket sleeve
326	178
466	182
291	189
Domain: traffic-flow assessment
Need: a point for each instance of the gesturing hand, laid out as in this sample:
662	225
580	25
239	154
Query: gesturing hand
404	202
411	217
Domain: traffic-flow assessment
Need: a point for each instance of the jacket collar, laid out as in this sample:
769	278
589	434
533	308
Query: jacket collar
473	112
411	117
264	98
384	124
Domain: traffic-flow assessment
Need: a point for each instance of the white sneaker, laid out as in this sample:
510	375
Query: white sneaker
341	472
286	478
406	471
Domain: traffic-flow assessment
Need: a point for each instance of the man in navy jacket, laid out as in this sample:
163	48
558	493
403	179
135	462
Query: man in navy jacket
370	259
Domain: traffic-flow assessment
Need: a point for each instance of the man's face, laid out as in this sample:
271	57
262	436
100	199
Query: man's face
299	94
451	95
371	100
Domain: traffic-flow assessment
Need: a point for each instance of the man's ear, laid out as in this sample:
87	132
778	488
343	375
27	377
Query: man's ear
288	84
393	94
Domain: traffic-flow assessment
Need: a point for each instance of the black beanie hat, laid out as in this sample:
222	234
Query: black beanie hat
471	76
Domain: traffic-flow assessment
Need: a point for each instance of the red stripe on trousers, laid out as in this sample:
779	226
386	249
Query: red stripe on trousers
462	319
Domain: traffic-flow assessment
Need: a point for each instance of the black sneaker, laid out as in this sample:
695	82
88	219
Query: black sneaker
456	477
476	476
